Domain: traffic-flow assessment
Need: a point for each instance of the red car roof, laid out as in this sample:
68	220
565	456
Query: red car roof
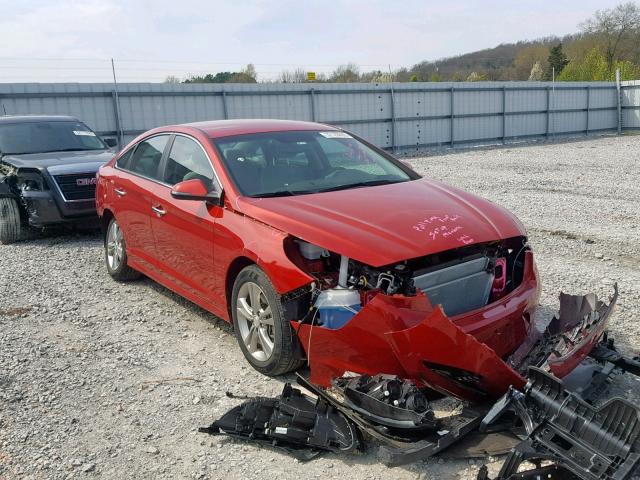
227	128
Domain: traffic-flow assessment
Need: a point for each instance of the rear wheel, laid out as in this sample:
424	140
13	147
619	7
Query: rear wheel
116	255
11	227
265	336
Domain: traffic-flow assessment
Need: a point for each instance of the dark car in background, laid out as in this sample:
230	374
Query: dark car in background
48	168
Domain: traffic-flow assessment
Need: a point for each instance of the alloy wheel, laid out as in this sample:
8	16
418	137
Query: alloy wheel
115	246
255	321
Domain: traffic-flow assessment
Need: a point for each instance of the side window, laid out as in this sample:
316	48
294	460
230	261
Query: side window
146	158
187	161
123	161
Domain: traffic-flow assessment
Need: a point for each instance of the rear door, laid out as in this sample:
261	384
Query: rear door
133	187
183	229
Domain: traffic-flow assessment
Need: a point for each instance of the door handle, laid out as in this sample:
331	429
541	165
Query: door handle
159	211
120	192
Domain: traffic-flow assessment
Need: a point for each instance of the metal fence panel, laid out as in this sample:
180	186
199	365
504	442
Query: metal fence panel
631	104
401	116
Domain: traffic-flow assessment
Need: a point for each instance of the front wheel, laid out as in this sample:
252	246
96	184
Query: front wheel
116	255
11	227
265	336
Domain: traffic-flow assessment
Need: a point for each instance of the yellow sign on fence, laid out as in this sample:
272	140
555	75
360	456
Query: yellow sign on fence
311	76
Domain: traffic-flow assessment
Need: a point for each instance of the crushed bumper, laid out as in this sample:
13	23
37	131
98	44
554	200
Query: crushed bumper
43	209
475	356
557	424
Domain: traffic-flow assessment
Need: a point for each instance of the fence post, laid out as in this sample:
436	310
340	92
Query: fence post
116	106
548	110
452	117
504	114
619	91
393	120
588	107
312	99
224	105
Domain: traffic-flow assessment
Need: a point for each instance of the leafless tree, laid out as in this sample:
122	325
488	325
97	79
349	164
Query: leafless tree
293	76
347	73
614	26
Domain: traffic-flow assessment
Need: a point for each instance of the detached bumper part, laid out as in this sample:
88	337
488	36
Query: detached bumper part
387	401
591	443
293	422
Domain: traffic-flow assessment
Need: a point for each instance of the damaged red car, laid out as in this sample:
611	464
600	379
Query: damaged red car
323	249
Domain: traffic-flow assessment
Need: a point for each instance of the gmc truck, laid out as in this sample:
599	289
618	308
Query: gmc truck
48	168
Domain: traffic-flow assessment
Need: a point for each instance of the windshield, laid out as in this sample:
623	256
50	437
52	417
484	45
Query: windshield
41	137
296	163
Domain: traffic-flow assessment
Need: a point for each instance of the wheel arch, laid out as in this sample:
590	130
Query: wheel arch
105	218
235	267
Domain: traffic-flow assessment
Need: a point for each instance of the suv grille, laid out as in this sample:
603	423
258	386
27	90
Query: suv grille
77	186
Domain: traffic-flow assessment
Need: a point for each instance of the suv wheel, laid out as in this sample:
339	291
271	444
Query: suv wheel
11	228
266	338
115	254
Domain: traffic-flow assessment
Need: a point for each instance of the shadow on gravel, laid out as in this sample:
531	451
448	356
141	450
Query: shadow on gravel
59	237
192	307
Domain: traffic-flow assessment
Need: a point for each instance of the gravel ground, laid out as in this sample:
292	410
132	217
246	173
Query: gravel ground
112	380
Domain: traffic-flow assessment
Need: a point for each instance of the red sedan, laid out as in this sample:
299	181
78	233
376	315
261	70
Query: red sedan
322	248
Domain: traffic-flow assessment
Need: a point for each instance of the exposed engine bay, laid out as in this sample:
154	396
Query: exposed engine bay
460	280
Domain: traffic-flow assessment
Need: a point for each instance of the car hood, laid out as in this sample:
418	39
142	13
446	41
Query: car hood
389	223
51	159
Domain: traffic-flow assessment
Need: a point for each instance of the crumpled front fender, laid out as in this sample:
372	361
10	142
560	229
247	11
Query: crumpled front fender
406	336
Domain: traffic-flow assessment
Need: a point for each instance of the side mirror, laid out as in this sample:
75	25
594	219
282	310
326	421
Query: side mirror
195	189
111	142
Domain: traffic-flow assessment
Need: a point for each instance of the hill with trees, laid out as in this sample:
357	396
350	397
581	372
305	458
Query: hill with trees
607	41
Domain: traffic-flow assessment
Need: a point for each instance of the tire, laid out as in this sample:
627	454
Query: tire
11	227
270	346
115	254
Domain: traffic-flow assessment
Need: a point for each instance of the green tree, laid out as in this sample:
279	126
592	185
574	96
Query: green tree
592	68
220	77
628	70
556	62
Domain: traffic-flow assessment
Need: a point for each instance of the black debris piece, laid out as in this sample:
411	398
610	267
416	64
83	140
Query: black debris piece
387	400
299	424
591	443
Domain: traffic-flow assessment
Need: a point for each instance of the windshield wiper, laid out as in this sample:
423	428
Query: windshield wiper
289	193
279	193
369	183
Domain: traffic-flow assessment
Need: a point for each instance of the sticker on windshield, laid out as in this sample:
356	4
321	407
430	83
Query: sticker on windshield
84	133
335	134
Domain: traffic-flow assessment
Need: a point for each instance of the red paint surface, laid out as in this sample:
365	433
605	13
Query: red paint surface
395	335
383	225
192	249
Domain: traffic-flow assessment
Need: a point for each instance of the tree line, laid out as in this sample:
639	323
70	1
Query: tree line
607	41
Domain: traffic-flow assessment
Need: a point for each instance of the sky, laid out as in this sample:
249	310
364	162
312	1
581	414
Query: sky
63	40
